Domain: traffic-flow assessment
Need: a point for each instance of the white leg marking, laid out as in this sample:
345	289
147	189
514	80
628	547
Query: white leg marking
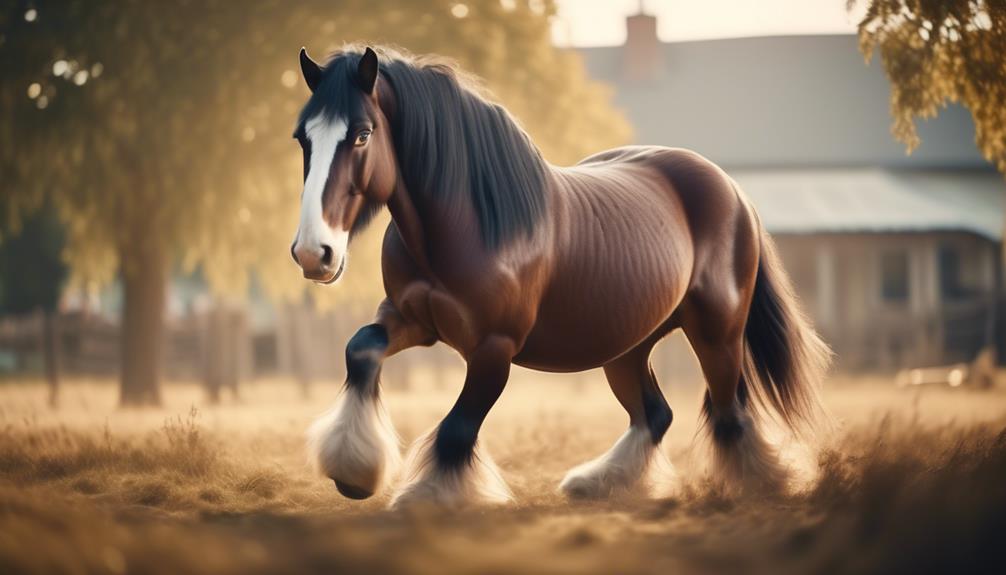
480	482
750	463
633	464
355	443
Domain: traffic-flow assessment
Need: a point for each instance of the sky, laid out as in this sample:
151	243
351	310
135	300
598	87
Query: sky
602	22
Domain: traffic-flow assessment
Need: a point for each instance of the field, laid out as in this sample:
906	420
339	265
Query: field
912	481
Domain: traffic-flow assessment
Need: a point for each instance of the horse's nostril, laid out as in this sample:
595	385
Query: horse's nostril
293	253
326	255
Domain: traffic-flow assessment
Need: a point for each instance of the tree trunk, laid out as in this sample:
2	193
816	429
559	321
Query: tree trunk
213	348
227	348
50	354
144	282
242	350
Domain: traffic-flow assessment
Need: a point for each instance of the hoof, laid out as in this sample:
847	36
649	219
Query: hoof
352	491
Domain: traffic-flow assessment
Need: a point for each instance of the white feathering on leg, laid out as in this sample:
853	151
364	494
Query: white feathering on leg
478	482
633	464
355	442
750	463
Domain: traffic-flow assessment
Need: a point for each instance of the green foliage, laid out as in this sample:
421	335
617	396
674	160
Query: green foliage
939	51
164	127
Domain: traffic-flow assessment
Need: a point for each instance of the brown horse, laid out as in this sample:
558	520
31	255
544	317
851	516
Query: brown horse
508	259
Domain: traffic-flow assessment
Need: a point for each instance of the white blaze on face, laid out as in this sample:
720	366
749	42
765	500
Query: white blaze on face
314	231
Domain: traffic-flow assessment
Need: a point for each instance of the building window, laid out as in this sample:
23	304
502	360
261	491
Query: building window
958	274
894	277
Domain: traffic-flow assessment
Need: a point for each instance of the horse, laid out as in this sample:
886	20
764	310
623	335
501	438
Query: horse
510	260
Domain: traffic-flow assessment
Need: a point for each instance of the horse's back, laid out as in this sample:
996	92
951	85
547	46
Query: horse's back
704	201
635	230
719	218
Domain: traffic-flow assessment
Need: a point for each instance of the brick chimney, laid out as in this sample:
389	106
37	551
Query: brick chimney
642	55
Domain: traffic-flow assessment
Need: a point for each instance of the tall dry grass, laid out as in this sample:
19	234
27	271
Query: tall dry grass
913	483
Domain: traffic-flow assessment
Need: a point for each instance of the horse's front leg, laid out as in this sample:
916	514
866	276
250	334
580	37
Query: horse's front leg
355	443
445	465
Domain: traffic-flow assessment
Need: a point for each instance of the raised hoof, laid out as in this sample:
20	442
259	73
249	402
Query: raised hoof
352	491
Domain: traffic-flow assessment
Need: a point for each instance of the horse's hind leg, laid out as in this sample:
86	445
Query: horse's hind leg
635	461
355	443
445	466
742	458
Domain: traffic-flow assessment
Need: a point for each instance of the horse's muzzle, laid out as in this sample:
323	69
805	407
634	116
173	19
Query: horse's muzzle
338	273
326	276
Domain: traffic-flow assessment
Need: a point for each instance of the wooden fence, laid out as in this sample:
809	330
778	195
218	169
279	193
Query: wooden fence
218	347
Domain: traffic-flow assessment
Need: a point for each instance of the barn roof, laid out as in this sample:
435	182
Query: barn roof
777	101
876	200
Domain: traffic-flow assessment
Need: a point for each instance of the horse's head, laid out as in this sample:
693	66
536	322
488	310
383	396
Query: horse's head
349	164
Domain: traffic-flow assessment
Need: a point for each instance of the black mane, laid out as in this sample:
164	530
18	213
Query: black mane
450	140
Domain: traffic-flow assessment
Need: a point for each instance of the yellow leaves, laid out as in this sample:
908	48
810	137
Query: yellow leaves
938	51
181	133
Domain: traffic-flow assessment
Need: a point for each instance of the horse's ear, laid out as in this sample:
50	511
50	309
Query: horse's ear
366	71
311	71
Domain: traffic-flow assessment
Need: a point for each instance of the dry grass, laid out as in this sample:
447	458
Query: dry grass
913	482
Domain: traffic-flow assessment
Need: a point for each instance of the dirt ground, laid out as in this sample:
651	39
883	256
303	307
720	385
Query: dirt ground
912	481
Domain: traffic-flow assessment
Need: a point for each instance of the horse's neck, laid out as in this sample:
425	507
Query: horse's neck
429	223
438	227
410	225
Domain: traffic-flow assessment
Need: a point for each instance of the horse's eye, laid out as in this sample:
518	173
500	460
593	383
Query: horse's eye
362	138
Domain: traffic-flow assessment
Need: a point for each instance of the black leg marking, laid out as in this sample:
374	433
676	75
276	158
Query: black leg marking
727	430
447	468
488	370
455	441
363	357
658	413
726	425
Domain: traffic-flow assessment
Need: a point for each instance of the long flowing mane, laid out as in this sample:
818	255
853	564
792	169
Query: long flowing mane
451	139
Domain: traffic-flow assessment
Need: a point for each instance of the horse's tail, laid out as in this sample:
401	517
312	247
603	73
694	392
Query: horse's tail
784	358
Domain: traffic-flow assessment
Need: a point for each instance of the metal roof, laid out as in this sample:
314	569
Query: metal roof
876	200
778	101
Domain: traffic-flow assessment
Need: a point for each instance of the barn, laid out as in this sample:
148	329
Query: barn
896	256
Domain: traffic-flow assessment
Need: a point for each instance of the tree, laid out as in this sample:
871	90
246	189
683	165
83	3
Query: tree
32	274
162	130
940	51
